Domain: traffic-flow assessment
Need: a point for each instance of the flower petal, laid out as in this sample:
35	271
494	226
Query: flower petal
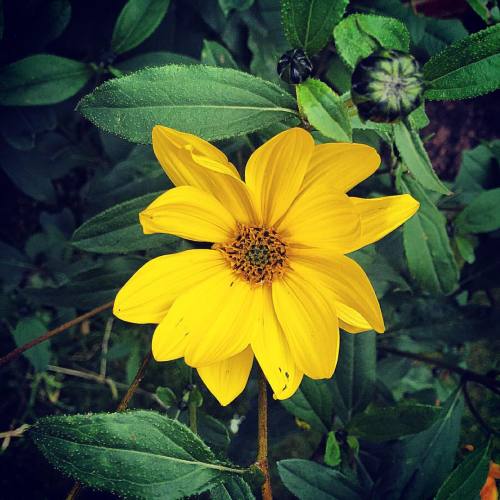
320	216
148	294
306	314
355	299
189	160
351	328
190	213
380	216
271	349
275	172
341	165
227	379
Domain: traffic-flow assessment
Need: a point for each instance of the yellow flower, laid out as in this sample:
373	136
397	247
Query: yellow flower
275	283
489	490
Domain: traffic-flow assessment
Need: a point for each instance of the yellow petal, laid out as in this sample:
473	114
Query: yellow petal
320	216
380	216
190	213
355	300
148	294
341	165
306	313
227	379
275	172
189	160
271	349
351	328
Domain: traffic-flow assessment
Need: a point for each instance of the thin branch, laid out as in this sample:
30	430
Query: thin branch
262	459
51	333
475	413
104	346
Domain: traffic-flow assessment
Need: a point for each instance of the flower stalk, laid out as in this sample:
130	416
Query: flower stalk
262	454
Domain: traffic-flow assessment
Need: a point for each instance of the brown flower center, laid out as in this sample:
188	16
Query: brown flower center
257	254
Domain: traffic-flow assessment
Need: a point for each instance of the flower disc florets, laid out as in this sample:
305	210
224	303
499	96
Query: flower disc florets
257	254
387	86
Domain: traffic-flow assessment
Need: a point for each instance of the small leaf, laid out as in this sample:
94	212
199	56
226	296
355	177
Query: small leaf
117	230
133	454
42	79
308	24
29	329
214	103
415	157
214	54
136	22
166	396
324	110
358	35
468	68
482	215
332	451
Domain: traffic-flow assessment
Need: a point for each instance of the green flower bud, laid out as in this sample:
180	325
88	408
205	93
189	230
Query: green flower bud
387	86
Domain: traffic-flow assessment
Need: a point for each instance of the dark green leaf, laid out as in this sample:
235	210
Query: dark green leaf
324	109
166	396
137	453
228	5
426	242
214	54
392	422
212	431
309	480
151	60
482	215
468	68
136	22
42	79
332	451
309	23
358	35
26	330
233	489
213	103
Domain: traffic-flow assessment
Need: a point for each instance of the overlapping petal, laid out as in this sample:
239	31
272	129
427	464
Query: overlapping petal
275	172
190	213
149	293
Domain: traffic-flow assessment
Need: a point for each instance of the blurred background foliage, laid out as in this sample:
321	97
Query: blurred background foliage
58	171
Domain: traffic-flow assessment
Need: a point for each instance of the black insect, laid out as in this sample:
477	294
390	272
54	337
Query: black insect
294	66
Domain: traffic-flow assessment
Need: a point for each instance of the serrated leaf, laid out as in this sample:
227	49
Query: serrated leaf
324	110
358	35
26	330
309	23
468	68
117	230
137	453
136	22
214	54
42	79
426	242
482	215
415	157
152	60
233	489
214	103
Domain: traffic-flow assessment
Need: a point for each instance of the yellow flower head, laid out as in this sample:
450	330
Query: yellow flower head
276	283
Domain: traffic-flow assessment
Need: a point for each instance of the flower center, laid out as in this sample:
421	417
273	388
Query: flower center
257	254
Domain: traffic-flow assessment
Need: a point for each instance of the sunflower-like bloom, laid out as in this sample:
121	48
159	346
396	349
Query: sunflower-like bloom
276	283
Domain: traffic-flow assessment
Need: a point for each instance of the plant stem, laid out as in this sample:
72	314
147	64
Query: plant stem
193	421
262	460
51	333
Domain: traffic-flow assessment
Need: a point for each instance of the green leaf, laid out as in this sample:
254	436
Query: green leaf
309	480
214	54
212	431
380	424
468	478
332	451
117	230
468	68
214	103
312	403
166	396
233	489
42	79
358	35
26	330
465	246
151	60
354	381
136	22
309	23
133	454
416	466
324	110
415	157
240	5
426	242
482	215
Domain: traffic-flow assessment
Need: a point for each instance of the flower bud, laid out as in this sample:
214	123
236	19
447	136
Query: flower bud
294	66
387	86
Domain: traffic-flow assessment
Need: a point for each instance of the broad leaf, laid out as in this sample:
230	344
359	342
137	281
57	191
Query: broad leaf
482	215
309	23
324	109
26	330
357	36
214	103
42	79
214	54
468	68
134	454
233	489
136	22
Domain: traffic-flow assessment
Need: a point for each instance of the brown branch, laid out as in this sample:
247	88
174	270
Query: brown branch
262	460
51	333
